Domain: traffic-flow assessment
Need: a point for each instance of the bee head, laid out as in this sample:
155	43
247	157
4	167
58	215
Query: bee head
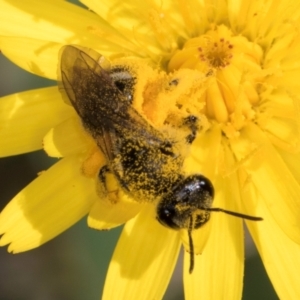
188	206
188	199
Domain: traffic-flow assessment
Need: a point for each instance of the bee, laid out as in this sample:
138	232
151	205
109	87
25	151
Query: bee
145	162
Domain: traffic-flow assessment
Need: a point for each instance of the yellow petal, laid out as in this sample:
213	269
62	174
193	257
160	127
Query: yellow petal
143	260
284	136
38	20
148	25
280	255
200	238
39	28
292	160
275	184
26	117
204	154
56	200
35	56
106	215
219	269
65	139
49	20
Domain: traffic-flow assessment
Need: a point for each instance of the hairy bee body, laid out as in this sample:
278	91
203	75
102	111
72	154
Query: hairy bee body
145	162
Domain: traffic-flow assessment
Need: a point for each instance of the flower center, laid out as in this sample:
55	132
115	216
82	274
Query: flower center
217	54
234	65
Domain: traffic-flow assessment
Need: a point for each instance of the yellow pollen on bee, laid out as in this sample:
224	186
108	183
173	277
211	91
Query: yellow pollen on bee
93	163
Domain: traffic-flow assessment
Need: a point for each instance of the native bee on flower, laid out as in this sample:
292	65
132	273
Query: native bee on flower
145	162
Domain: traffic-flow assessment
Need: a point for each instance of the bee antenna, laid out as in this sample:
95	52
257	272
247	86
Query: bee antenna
191	244
247	217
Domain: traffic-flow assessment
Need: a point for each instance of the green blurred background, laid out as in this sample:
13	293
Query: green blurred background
73	265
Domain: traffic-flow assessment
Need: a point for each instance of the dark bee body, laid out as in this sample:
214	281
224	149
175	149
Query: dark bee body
145	162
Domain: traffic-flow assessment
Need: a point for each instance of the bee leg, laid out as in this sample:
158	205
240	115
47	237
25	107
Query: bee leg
110	194
192	123
102	174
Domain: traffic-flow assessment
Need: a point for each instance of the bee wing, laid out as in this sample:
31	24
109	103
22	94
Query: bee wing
106	113
77	65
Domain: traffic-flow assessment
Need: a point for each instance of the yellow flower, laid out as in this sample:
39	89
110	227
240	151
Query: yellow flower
237	68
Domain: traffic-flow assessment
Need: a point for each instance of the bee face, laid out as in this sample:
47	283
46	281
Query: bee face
187	203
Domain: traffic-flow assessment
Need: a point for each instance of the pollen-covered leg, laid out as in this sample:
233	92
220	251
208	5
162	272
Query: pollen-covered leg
192	122
102	175
107	186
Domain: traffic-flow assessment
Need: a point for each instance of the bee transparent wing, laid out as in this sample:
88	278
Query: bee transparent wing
106	113
76	68
107	142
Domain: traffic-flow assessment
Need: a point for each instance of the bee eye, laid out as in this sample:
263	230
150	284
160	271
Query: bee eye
191	196
206	185
166	216
124	81
120	85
